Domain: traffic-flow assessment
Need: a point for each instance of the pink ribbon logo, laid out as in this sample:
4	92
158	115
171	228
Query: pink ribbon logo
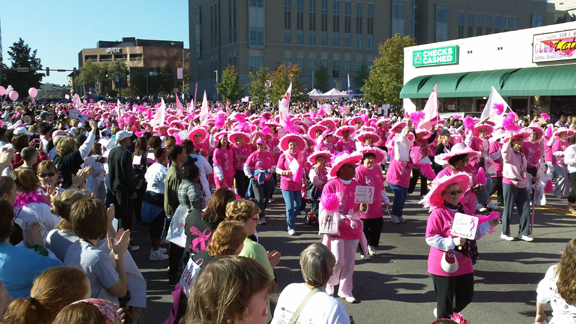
202	239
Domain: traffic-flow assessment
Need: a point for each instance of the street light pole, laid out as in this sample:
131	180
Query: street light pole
216	71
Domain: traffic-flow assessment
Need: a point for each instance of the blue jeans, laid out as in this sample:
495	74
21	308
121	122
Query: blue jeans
292	199
400	194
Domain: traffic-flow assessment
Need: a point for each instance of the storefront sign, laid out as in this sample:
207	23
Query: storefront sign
435	56
554	46
114	50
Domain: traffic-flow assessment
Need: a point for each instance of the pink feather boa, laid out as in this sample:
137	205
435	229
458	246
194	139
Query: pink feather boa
469	123
544	116
509	123
24	199
499	108
330	202
481	176
486	218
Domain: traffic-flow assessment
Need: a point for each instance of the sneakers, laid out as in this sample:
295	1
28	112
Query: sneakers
492	206
291	232
401	219
481	208
525	238
271	200
395	219
263	221
330	290
162	250
349	299
435	311
371	250
133	247
506	237
365	257
157	255
302	212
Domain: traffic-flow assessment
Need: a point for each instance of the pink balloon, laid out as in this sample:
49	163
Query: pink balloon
13	95
32	92
2	91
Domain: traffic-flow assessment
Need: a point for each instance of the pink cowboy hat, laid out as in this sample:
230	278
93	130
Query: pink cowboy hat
267	115
524	133
362	135
427	133
329	123
535	127
300	142
220	135
368	129
343	158
309	141
383	120
173	130
559	131
380	154
458	149
489	129
342	129
401	124
198	130
313	156
434	197
312	130
233	135
354	120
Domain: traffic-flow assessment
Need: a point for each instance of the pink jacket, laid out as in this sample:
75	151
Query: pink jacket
515	164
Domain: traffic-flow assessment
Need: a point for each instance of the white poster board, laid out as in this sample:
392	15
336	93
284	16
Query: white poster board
364	195
464	226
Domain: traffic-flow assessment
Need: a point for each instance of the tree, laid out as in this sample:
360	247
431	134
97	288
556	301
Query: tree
258	88
21	55
229	88
89	74
387	74
281	79
321	78
361	75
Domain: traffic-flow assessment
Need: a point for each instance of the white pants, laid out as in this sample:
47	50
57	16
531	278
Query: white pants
345	253
562	188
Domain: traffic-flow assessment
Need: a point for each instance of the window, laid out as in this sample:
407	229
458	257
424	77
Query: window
470	24
325	63
358	66
537	20
488	24
359	40
370	27
121	57
312	17
232	20
336	39
300	37
105	58
300	63
336	19
359	9
256	36
369	41
514	23
398	18
300	5
287	36
441	23
347	41
254	63
312	66
479	24
300	15
287	62
325	7
323	38
214	26
347	67
198	23
312	37
336	8
336	69
287	5
94	58
312	5
347	17
257	3
497	24
460	24
506	24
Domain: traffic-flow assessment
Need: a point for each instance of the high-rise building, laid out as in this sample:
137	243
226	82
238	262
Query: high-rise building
339	34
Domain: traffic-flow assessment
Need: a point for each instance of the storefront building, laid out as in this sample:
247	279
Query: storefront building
533	69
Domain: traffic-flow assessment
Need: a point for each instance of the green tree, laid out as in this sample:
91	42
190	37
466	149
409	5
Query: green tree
361	75
165	80
281	79
258	87
89	74
321	78
387	74
229	88
21	55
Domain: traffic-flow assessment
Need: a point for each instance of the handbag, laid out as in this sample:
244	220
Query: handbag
176	230
302	305
449	262
328	223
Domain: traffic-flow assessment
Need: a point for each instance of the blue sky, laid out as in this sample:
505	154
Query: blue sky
59	29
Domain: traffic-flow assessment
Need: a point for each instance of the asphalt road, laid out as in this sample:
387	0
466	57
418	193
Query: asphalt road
394	287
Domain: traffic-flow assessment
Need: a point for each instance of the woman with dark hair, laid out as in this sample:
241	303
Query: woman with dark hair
190	193
90	311
69	157
202	164
223	159
153	207
50	293
559	289
139	163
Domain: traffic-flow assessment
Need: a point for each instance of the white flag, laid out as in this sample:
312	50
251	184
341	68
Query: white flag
204	111
160	115
284	106
490	108
431	115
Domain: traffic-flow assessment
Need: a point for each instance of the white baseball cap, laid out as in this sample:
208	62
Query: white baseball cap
121	135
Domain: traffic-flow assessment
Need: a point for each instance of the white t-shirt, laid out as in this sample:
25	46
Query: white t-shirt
320	308
155	177
562	312
205	170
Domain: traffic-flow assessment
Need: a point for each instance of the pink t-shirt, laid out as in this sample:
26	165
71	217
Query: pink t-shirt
224	158
345	146
468	200
559	146
372	177
204	146
345	193
241	153
532	152
440	223
286	182
260	161
324	146
399	173
547	151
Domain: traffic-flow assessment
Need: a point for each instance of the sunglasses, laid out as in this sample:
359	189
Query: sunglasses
49	174
456	192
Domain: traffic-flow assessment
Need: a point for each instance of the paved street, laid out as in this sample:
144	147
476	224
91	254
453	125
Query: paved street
394	286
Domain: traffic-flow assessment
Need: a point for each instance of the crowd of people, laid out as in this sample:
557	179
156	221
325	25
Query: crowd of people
76	176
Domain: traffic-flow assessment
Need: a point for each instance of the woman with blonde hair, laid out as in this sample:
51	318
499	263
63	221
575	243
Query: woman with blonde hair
52	290
230	289
559	289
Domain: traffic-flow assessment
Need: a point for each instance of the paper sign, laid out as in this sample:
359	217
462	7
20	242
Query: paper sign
464	226
293	166
137	159
183	134
364	195
188	276
150	158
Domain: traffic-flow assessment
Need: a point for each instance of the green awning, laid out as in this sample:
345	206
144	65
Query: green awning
411	88
559	80
479	84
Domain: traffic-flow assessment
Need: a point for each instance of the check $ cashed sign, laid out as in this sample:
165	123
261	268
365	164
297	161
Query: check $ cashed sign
554	46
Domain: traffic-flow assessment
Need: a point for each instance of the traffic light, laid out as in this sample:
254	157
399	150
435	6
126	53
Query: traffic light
106	71
128	74
47	71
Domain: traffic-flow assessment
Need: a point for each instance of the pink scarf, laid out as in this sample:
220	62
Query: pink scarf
23	199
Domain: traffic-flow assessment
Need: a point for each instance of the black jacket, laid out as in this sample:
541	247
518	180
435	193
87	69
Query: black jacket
121	170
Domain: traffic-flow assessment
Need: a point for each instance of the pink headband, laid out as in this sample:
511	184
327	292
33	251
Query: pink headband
106	308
